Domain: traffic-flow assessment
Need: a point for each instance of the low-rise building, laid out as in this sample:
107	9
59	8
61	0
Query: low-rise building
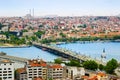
36	68
75	72
55	72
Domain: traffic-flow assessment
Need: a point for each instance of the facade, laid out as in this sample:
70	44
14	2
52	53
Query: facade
74	73
36	68
55	72
6	70
21	74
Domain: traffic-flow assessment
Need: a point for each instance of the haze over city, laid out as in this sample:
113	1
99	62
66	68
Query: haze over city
60	7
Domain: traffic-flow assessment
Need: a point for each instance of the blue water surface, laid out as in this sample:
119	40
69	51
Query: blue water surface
95	49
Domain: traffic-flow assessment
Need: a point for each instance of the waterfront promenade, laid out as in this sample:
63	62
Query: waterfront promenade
65	53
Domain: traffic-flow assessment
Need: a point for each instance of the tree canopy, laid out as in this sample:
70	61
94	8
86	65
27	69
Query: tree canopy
90	64
58	61
111	66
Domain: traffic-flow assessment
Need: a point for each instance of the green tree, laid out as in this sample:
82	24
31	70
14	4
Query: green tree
41	26
39	33
90	64
101	67
111	66
50	79
84	25
1	25
58	61
74	63
33	38
62	35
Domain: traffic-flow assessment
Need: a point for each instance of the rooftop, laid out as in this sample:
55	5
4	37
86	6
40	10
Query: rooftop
55	66
37	63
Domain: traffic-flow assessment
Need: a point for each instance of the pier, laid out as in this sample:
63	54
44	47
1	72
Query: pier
65	53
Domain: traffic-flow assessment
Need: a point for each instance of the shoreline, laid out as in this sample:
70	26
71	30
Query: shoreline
83	42
60	43
14	46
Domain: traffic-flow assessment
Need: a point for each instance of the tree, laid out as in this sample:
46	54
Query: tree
74	63
84	25
41	26
39	33
101	67
62	35
33	38
1	25
58	61
111	66
90	64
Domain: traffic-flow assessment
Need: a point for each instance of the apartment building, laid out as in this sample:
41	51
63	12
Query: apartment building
36	68
6	70
55	72
21	74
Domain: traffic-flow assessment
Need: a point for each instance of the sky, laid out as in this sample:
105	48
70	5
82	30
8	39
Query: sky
60	7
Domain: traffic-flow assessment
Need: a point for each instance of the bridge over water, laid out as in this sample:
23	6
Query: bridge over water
65	53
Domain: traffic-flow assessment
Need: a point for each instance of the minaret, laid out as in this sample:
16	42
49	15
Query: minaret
103	55
30	12
33	12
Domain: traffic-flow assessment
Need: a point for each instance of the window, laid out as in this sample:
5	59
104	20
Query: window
4	71
9	74
4	74
9	68
4	77
4	68
10	63
9	77
9	71
4	64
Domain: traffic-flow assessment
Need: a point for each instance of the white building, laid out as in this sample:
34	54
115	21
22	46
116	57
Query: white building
55	71
73	72
6	70
36	68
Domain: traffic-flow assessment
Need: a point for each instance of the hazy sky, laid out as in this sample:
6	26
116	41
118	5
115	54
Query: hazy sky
59	7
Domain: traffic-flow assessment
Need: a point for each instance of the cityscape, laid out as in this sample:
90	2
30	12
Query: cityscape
60	40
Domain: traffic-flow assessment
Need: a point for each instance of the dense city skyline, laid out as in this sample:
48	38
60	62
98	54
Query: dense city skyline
60	7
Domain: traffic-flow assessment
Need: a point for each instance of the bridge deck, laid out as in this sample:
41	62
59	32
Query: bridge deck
67	52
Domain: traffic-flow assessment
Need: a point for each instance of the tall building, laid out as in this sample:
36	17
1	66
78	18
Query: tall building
6	70
36	68
55	72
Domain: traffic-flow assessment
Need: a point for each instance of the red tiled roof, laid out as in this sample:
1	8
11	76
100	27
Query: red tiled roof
85	77
36	63
21	70
55	66
101	74
93	78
